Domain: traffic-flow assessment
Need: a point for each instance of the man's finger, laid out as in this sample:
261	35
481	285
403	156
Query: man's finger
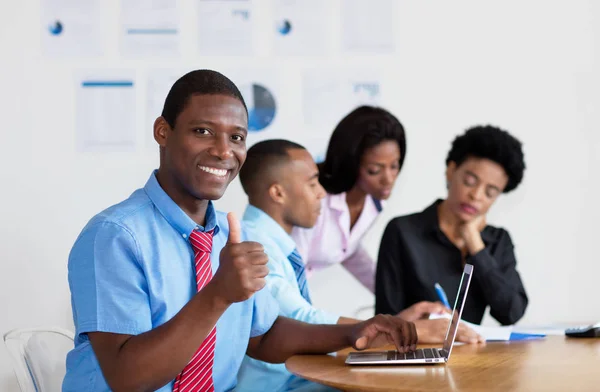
415	336
362	343
258	258
235	229
260	271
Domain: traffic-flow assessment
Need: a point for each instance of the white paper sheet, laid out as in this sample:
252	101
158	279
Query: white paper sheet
549	330
368	26
260	89
71	28
159	82
149	28
329	95
302	27
105	119
225	27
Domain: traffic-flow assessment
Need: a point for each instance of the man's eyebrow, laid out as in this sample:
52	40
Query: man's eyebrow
212	123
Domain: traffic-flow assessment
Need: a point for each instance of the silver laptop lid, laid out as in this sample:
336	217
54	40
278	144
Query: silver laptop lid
461	296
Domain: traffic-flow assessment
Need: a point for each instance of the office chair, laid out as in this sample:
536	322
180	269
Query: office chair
38	356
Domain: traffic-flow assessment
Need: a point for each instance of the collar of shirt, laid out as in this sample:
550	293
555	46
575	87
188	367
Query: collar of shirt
270	228
432	224
370	211
174	214
338	202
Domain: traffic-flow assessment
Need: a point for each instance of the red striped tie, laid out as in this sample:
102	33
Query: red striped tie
197	375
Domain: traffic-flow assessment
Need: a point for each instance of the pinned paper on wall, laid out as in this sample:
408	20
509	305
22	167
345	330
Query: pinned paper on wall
225	28
149	28
368	26
329	95
301	27
105	119
159	82
260	88
71	28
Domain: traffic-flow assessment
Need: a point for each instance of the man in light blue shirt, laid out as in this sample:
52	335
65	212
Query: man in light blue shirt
145	313
282	183
134	293
281	180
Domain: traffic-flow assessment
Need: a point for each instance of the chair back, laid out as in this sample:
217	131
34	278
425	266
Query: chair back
39	357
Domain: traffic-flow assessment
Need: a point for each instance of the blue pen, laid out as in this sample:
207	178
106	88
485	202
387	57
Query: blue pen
442	295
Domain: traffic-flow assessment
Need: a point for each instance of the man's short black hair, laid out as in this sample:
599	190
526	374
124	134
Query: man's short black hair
260	159
361	129
495	144
199	82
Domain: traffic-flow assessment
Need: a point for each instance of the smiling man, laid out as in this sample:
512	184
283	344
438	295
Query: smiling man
166	294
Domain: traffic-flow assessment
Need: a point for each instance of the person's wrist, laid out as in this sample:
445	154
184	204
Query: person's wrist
474	242
351	332
218	300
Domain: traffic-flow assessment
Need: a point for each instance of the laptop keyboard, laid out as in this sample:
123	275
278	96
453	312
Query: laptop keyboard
417	354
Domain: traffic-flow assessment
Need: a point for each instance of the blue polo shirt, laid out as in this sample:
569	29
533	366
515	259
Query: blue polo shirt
131	270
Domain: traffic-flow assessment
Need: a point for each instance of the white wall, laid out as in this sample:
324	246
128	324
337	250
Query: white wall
531	67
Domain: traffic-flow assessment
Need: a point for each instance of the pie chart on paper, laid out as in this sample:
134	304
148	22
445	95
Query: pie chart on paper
55	28
262	107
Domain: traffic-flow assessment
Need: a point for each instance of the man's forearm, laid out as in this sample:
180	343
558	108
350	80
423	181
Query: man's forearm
347	320
152	359
289	337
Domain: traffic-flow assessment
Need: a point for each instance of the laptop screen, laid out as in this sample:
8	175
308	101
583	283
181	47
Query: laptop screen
458	307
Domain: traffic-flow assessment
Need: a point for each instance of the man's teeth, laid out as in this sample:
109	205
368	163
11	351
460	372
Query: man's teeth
216	172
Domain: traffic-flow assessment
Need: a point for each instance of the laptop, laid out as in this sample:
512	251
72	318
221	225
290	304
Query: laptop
423	355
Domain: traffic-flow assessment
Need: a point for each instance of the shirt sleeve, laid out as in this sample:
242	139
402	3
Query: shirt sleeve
264	312
291	302
362	266
389	293
109	292
500	282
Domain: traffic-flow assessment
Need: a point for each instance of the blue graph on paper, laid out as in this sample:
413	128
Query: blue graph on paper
55	28
262	108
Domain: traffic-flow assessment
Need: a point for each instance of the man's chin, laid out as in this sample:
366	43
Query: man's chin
211	194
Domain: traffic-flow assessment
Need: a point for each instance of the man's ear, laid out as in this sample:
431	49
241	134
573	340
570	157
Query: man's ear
161	131
450	169
277	193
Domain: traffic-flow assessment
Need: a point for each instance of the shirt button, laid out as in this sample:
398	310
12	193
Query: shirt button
184	235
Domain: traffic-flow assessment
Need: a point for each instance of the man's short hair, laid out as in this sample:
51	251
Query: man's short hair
199	82
261	159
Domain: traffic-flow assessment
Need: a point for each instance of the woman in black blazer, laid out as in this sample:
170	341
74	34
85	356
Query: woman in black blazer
432	246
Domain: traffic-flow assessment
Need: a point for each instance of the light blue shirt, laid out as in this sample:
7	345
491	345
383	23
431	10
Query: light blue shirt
281	281
131	270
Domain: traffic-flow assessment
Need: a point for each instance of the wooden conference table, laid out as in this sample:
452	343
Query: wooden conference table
555	363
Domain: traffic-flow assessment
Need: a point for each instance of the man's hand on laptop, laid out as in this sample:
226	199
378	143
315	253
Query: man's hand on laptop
382	330
422	310
434	331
